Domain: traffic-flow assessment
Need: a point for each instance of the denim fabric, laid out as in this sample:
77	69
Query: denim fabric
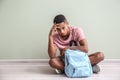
77	64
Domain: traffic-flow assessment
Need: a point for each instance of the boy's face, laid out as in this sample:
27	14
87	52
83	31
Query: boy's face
62	29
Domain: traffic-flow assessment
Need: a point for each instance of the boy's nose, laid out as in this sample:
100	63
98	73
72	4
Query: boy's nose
62	31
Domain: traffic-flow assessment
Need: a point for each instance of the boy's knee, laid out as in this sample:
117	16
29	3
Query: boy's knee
100	56
52	62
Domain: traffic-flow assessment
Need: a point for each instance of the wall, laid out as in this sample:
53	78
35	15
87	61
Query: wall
25	24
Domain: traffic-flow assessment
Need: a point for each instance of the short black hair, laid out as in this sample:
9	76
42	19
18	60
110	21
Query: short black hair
59	18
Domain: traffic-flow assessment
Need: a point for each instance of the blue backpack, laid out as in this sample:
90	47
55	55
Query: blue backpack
77	64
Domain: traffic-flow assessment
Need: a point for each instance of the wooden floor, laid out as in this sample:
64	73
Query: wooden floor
110	70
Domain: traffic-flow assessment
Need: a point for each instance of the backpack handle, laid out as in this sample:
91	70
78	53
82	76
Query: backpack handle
73	43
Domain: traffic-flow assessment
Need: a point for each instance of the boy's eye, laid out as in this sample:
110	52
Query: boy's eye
63	27
58	29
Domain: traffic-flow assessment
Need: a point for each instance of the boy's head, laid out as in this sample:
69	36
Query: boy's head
59	19
61	25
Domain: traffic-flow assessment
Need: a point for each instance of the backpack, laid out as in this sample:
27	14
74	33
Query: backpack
77	64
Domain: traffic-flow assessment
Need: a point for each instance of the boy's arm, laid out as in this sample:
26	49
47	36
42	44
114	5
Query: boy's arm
83	46
51	46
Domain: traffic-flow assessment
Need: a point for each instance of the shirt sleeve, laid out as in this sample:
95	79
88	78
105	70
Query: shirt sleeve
80	34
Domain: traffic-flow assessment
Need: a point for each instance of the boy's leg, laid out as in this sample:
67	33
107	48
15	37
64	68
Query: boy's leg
57	63
96	57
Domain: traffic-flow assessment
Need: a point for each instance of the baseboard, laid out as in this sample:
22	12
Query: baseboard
41	62
24	60
111	61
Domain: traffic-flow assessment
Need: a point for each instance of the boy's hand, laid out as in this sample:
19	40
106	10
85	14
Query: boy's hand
62	52
53	30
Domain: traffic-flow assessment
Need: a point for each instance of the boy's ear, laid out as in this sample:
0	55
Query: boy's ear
67	22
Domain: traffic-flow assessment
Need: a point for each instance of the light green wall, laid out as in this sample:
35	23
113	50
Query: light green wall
25	24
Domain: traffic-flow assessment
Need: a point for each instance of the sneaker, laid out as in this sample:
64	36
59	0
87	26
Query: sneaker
58	71
95	68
